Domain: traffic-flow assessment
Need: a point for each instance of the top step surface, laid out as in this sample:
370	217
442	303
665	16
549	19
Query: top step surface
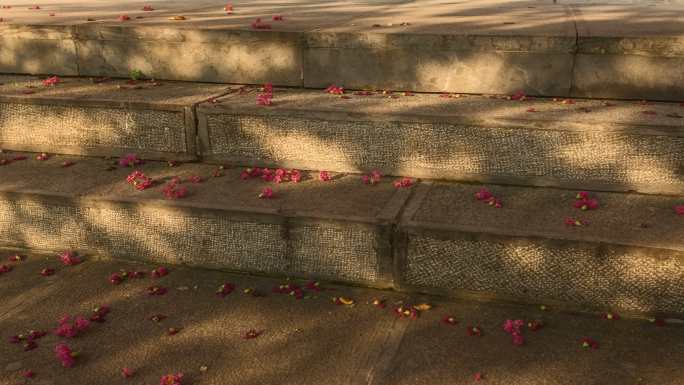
566	48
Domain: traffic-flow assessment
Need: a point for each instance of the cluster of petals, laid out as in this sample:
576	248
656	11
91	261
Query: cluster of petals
289	289
267	175
334	90
373	178
171	379
585	202
70	258
195	179
28	340
65	355
139	180
130	160
403	182
172	190
518	95
258	24
69	328
487	197
265	98
513	327
42	156
225	289
51	81
15	258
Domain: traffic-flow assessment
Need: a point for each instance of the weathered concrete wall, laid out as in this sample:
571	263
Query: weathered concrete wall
578	66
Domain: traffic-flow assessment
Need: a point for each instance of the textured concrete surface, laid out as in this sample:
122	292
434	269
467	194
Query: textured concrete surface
222	223
101	117
345	230
486	46
309	341
629	254
588	143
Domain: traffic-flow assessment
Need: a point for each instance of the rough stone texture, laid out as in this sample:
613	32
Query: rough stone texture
221	224
83	117
535	271
630	255
83	130
472	138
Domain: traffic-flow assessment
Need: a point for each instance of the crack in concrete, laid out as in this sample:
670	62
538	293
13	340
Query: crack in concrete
575	50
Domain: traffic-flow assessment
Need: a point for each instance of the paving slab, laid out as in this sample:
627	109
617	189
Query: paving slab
97	211
563	142
101	117
628	257
312	340
570	48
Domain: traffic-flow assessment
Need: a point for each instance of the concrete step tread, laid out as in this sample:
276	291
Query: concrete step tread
621	218
542	113
345	196
17	88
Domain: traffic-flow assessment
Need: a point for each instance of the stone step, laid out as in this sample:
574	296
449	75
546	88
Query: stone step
432	237
573	49
627	254
588	144
101	117
585	144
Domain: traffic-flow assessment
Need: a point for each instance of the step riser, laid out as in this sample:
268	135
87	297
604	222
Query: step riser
553	66
98	130
502	154
265	243
593	275
375	253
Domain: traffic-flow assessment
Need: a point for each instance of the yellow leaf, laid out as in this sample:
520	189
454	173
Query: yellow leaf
422	307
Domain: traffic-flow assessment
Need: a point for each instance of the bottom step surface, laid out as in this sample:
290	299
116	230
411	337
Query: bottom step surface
433	237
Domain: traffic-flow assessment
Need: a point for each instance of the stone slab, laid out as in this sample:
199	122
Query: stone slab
630	255
484	46
588	144
104	118
221	224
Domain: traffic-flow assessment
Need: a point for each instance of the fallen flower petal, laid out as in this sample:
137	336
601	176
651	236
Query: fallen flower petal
406	312
277	18
679	210
124	18
139	180
115	279
575	222
30	345
610	316
157	317
65	355
343	301
160	272
171	379
588	343
252	333
172	331
127	372
380	303
28	374
474	331
52	81
266	193
70	258
5	269
535	325
334	90
324	176
156	290
42	156
148	8
478	376
47	272
403	183
225	289
130	160
449	320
